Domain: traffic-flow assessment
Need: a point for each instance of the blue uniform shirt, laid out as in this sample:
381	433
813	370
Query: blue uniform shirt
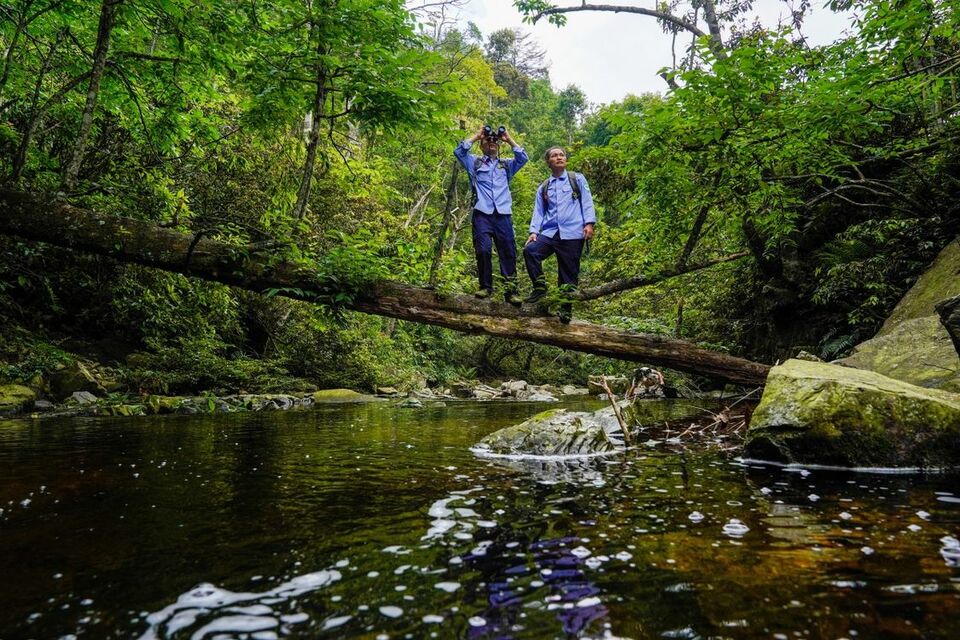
564	214
492	182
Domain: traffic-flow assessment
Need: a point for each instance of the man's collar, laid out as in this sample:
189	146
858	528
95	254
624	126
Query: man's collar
562	176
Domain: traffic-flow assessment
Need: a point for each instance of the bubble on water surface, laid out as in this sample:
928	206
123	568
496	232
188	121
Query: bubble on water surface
432	618
449	587
333	623
396	549
391	611
696	516
735	529
866	550
206	600
477	621
950	551
236	625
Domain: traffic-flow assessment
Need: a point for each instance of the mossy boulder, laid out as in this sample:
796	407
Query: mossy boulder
15	398
941	280
554	433
818	413
333	396
913	346
163	404
71	378
918	351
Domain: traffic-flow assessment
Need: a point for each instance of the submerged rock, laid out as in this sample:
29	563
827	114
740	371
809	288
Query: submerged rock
554	433
817	413
15	398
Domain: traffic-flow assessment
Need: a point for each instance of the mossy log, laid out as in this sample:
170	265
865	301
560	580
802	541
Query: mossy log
136	241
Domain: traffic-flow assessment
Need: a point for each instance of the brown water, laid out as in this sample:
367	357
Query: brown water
378	522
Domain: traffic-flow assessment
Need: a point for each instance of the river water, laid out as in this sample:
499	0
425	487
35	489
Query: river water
378	522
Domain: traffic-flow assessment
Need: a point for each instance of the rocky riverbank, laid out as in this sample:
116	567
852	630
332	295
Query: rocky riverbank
26	401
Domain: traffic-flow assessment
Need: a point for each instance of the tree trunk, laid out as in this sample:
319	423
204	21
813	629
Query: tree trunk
108	16
444	224
144	243
313	142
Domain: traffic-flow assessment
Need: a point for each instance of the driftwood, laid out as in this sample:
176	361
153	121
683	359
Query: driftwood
616	410
196	255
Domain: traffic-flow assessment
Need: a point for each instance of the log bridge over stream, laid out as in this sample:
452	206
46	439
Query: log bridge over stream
145	243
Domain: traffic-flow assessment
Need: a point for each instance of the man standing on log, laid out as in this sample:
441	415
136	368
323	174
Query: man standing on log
490	178
563	220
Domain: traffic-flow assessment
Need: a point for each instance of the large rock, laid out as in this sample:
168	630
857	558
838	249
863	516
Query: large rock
941	280
74	377
913	346
818	413
554	433
949	312
335	396
15	398
918	351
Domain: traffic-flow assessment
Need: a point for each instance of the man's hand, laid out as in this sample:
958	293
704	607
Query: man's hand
532	238
588	231
477	135
508	139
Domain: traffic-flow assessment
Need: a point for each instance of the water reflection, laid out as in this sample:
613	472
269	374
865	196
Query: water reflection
378	522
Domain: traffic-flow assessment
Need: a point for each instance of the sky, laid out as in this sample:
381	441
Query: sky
611	55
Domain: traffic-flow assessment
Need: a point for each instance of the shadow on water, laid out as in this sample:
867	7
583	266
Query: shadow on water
365	521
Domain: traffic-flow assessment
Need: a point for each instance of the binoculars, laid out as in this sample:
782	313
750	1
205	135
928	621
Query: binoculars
488	132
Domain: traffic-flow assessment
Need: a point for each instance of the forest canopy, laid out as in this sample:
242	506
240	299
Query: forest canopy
775	196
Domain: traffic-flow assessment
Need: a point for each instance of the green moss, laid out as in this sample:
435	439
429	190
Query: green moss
918	351
938	282
340	395
15	398
163	404
826	414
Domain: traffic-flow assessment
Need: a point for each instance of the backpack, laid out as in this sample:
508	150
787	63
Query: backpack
574	179
476	167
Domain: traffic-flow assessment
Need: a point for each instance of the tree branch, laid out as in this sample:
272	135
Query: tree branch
626	284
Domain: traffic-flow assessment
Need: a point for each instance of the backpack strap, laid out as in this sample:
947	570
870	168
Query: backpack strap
574	179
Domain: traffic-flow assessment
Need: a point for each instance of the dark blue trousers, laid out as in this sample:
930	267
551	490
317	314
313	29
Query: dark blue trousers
568	259
489	230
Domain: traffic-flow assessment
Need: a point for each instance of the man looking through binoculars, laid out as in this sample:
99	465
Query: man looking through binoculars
490	177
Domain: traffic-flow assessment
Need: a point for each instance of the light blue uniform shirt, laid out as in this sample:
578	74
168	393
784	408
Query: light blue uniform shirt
564	213
492	182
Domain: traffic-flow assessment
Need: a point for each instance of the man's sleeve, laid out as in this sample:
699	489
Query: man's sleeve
462	152
537	221
520	158
586	199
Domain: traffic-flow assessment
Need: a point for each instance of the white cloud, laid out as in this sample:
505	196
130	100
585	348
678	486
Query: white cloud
610	55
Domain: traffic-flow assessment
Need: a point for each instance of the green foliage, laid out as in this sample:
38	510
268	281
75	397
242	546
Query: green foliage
834	166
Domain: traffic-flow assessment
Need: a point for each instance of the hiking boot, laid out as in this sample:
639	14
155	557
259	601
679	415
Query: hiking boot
483	293
513	298
535	296
565	314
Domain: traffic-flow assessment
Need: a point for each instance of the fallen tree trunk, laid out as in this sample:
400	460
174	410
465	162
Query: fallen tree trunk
144	243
